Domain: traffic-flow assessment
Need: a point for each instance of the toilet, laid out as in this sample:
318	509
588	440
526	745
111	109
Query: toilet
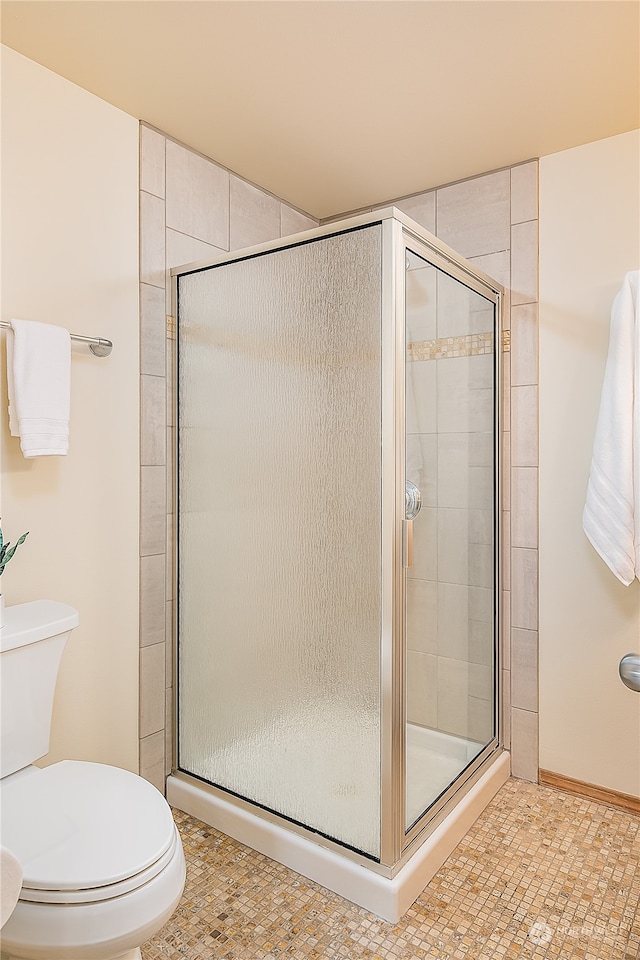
102	861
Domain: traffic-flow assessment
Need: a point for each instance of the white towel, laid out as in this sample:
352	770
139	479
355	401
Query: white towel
39	382
611	517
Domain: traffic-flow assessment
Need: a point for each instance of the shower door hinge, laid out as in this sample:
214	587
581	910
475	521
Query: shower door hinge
171	328
506	341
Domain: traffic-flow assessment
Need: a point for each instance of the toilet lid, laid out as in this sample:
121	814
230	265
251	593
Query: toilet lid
77	826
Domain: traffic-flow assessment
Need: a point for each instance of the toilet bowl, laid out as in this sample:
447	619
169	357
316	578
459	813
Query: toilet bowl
102	861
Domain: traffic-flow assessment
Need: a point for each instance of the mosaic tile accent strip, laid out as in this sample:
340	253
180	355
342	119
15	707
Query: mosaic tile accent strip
472	345
541	874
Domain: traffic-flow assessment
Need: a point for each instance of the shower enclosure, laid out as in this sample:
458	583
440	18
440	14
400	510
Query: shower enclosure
338	552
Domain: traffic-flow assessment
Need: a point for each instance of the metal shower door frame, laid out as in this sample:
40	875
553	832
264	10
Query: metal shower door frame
401	234
398	233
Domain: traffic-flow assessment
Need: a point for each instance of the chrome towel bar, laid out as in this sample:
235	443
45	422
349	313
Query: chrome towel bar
98	345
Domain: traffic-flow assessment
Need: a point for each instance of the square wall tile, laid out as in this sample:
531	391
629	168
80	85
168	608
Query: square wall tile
453	620
422	465
524	192
152	695
152	241
152	759
153	509
421	396
481	525
421	208
460	311
480	564
474	216
453	546
180	250
481	604
524	669
524	507
480	642
152	331
524	344
293	221
254	215
460	686
524	426
524	744
422	615
425	558
496	265
524	262
152	599
152	151
465	394
153	431
480	723
421	304
422	689
197	196
524	589
454	477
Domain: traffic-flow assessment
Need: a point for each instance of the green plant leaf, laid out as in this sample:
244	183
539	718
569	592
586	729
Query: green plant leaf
6	553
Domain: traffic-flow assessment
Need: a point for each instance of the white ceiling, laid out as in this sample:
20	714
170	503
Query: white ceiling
339	104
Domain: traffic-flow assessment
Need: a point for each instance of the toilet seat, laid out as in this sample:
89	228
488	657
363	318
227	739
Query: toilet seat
85	832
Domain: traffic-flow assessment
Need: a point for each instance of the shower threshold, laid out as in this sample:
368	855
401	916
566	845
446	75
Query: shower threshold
354	879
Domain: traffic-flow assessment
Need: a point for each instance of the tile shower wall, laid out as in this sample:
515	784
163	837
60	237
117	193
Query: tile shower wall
450	457
493	221
190	209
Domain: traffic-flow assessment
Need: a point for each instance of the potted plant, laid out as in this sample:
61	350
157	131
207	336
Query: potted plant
6	553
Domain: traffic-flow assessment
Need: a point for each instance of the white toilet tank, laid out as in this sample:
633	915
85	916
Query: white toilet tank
31	644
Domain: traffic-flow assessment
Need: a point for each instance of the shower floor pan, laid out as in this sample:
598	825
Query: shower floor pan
434	760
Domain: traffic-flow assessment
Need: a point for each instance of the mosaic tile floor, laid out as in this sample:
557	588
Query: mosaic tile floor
541	874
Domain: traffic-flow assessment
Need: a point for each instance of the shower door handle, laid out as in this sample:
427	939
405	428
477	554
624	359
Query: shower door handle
629	670
412	507
407	543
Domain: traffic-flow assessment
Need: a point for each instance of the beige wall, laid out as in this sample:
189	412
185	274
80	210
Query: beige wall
70	256
589	238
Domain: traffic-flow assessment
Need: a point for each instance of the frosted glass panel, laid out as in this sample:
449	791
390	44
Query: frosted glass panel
279	531
450	588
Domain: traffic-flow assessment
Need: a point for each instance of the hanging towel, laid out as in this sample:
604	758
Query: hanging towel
39	383
611	517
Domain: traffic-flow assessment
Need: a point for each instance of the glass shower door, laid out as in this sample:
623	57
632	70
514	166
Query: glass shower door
279	563
450	587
